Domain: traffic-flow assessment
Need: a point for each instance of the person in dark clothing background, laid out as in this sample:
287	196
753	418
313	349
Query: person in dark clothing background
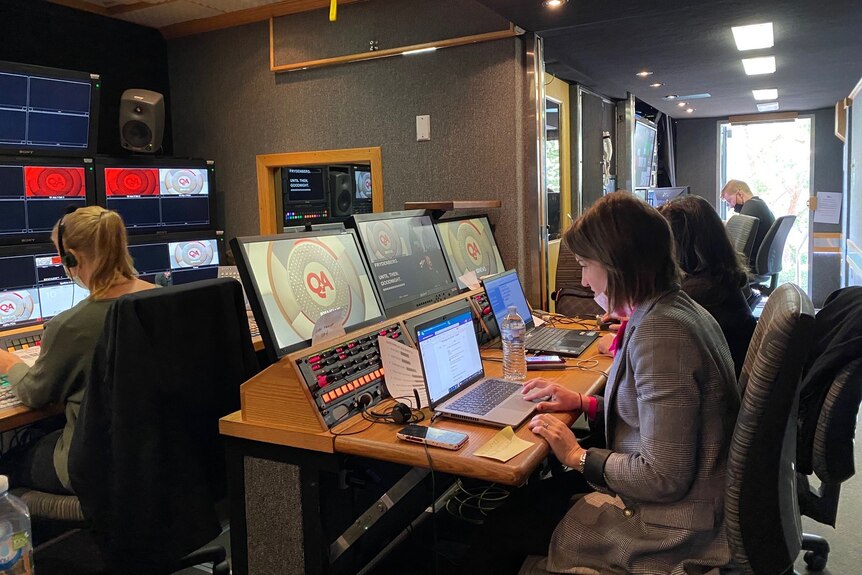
713	273
738	196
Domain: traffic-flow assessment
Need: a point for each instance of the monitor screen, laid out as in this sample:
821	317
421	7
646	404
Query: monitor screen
406	259
505	290
34	288
157	195
47	110
660	196
35	194
304	185
362	176
297	278
469	245
645	141
176	262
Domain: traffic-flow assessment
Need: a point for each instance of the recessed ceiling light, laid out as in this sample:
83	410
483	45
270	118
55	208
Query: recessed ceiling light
767	107
754	37
644	74
671	97
656	85
767	94
755	66
553	3
682	104
690	110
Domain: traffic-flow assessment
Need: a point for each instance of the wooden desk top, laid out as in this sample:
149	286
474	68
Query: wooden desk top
13	417
378	441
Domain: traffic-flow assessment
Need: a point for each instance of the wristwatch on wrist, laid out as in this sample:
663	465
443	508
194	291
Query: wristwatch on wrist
582	462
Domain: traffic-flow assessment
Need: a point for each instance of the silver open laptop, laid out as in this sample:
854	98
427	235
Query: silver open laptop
455	379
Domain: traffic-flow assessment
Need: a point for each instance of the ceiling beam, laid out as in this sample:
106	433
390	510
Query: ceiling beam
247	16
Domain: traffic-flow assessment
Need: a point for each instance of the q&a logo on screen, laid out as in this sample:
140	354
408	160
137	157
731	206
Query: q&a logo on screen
318	283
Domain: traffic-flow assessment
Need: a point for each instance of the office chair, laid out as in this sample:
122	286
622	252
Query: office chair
762	514
768	262
570	296
146	461
741	230
831	458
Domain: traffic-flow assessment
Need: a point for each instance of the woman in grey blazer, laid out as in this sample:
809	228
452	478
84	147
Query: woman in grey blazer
669	409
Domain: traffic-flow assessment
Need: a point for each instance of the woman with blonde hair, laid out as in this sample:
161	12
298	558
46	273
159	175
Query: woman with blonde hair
94	251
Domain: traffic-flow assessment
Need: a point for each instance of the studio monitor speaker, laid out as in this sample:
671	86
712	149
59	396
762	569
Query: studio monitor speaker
340	192
142	120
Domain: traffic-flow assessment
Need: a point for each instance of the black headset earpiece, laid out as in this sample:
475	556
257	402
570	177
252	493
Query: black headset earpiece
68	260
401	413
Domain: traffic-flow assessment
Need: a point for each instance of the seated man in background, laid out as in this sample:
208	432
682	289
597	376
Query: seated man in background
738	196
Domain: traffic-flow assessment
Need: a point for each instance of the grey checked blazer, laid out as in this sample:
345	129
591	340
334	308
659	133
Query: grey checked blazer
670	408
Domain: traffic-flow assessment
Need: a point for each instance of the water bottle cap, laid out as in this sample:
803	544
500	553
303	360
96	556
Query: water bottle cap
513	309
4	484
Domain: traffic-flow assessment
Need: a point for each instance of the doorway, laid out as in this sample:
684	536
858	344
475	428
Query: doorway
774	159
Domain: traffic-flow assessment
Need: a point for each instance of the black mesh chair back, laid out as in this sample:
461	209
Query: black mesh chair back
763	521
768	262
741	230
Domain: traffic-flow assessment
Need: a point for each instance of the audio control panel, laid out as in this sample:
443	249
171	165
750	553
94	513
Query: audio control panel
347	377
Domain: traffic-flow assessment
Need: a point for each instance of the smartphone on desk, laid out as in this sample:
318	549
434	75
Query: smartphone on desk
433	436
545	362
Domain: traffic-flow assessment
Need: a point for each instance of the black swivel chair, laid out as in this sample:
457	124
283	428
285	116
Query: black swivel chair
570	297
763	278
831	459
146	461
762	515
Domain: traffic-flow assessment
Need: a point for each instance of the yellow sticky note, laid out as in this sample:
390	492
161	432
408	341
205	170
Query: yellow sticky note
333	7
504	445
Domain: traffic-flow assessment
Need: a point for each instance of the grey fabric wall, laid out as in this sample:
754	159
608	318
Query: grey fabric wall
697	156
229	107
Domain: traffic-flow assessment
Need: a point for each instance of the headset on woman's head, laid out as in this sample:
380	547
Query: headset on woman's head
69	260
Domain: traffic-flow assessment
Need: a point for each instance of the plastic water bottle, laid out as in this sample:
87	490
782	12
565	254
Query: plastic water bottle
514	332
16	547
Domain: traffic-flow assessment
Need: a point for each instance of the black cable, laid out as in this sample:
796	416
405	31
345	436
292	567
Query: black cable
433	513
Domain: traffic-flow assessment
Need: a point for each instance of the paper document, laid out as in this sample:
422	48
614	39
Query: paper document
537	321
402	371
328	326
828	208
504	445
470	279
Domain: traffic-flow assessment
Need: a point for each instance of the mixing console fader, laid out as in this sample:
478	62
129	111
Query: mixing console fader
347	377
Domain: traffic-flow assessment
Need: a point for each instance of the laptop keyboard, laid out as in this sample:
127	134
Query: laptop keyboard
485	396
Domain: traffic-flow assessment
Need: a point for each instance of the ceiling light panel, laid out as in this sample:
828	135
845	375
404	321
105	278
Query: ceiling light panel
754	37
756	66
768	107
767	94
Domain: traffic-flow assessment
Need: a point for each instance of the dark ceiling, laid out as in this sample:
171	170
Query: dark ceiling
690	49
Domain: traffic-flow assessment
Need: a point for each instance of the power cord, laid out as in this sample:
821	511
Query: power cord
473	504
433	511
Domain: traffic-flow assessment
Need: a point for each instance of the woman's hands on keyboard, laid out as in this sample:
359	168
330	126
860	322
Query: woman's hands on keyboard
558	398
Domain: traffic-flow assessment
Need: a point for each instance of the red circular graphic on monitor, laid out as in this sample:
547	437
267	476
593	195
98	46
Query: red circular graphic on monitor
131	182
193	254
43	182
473	250
384	241
15	306
318	279
183	182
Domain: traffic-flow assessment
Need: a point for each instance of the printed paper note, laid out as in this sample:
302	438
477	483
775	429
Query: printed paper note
402	371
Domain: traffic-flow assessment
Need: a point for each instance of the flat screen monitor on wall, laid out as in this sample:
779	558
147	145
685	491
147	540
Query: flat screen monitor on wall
406	259
293	279
660	196
48	111
182	259
158	195
469	245
644	153
36	192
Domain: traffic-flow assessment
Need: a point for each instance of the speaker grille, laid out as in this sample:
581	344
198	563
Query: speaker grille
344	201
137	133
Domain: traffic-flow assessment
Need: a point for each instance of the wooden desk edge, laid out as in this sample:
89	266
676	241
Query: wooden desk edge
20	415
233	425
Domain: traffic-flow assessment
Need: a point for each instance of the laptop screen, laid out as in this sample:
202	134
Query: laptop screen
504	290
450	355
